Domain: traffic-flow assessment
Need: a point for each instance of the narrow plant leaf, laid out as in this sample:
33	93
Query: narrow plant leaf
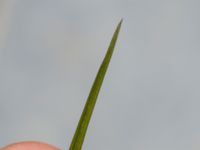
81	129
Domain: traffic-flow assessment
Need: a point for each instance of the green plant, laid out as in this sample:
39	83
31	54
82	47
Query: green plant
81	129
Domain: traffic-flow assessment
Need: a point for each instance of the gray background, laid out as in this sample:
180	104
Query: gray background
50	52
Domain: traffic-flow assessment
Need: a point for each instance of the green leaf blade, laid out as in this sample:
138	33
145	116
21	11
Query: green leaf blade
81	129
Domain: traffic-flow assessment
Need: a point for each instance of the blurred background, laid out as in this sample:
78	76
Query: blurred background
50	52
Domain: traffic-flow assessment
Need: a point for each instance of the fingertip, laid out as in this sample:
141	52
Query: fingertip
29	145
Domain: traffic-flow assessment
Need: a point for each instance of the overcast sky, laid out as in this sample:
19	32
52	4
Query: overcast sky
50	52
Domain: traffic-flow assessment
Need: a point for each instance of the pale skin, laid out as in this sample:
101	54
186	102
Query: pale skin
29	146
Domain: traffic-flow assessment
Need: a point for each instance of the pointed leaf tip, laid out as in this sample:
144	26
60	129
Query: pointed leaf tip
81	129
